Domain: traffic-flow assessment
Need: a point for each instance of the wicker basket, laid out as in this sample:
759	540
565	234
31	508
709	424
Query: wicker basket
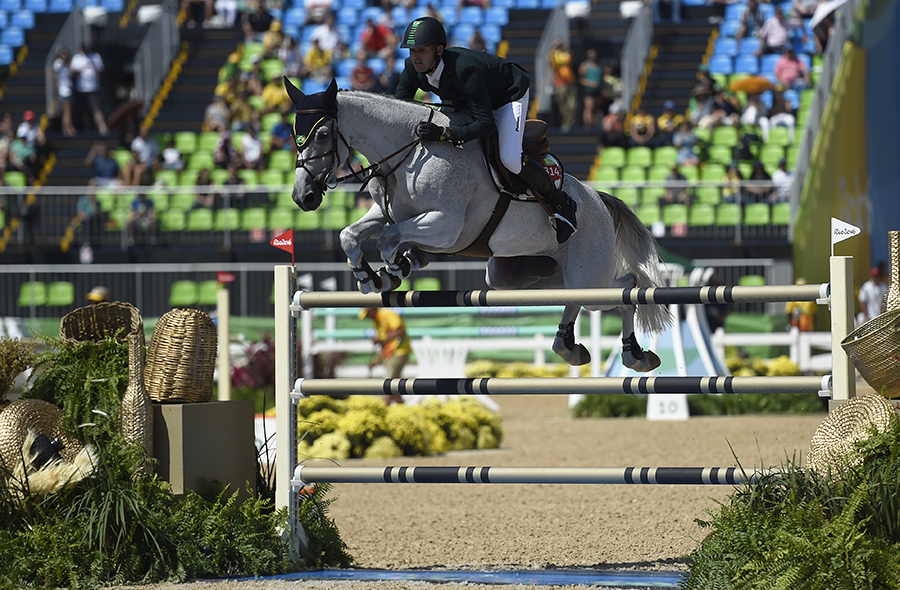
833	446
31	414
874	348
182	357
96	322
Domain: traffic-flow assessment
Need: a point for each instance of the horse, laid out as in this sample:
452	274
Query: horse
436	198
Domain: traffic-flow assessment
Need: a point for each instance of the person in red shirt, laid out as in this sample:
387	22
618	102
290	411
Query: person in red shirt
377	39
362	77
790	71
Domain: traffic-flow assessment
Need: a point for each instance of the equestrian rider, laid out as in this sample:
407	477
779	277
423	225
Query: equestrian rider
495	91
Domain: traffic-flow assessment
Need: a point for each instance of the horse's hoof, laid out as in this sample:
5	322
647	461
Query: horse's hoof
417	259
577	356
389	281
648	361
364	287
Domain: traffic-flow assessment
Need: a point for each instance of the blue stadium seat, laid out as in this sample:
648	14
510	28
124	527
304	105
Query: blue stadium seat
721	64
294	16
401	14
767	63
726	46
471	15
113	5
357	4
505	3
461	32
748	64
346	15
729	28
343	70
6	55
59	6
528	4
4	19
498	15
492	33
550	4
22	18
12	36
10	5
370	12
792	96
749	45
735	11
36	6
768	10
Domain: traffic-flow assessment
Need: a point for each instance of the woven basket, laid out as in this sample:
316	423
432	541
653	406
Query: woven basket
874	348
96	322
833	445
136	412
182	357
31	414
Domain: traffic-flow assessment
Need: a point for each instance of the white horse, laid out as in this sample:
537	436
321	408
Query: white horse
436	198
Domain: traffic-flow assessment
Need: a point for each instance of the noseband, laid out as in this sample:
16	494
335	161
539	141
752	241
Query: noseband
321	181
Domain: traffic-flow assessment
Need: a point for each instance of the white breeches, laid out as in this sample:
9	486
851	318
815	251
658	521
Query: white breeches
510	120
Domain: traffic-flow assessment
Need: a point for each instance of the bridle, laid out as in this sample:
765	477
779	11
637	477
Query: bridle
370	172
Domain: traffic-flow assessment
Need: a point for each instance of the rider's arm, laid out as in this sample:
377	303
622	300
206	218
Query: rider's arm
473	82
408	84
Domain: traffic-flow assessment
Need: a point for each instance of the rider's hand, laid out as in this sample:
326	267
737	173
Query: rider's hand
427	131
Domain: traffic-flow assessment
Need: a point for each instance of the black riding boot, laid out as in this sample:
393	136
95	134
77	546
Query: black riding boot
560	204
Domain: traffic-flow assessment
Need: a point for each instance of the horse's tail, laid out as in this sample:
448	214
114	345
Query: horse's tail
636	254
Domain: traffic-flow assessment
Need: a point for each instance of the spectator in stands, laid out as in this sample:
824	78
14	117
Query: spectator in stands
871	293
329	38
389	77
790	71
5	141
289	55
782	178
216	116
362	77
751	21
477	42
62	84
22	157
759	194
30	132
272	39
238	199
204	198
224	152
612	87
675	12
753	110
141	217
86	67
377	39
668	122
281	134
146	148
274	95
702	113
226	11
590	78
171	157
317	63
565	92
775	33
805	8
316	10
612	131
780	114
642	129
251	150
674	192
135	171
198	12
106	169
705	79
241	112
98	294
256	23
91	218
684	139
731	189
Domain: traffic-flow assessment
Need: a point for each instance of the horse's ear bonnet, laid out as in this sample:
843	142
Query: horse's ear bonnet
311	109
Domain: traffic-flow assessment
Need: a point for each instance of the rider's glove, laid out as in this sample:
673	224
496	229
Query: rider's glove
427	131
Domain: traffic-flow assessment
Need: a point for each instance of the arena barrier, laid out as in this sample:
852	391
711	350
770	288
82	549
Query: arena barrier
307	474
839	386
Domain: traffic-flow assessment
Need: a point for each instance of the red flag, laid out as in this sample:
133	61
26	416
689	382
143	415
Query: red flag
285	242
223	277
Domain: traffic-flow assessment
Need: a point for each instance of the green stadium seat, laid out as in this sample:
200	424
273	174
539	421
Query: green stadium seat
781	214
227	219
658	173
253	218
107	200
757	214
746	169
33	293
250	177
712	172
665	155
752	281
2	219
613	157
200	219
183	294
257	102
15	178
219	176
653	194
283	160
703	134
166	177
629	194
691	173
335	218
634	174
791	155
60	294
181	200
771	153
118	218
728	214
426	284
188	177
283	218
356	214
605	174
708	195
639	156
201	159
173	220
208	292
271	177
702	215
675	214
208	140
185	142
720	154
779	135
727	136
340	198
269	120
122	156
649	213
160	199
285	200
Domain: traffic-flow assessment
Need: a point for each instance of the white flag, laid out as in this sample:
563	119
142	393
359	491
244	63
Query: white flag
841	230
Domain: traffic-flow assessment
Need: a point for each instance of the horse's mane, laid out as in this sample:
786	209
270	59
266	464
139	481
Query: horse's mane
393	108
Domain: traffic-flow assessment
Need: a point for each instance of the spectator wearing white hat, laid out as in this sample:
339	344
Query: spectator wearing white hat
98	294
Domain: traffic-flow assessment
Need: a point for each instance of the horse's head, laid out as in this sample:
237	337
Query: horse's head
315	134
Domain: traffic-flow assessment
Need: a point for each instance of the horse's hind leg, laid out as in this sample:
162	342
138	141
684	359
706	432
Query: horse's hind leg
564	344
633	356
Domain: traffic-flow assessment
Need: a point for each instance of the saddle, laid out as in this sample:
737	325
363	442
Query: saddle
536	146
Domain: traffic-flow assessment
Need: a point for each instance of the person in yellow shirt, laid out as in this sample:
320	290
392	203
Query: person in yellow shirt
393	343
801	314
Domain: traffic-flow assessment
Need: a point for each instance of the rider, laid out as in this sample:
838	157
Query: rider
495	91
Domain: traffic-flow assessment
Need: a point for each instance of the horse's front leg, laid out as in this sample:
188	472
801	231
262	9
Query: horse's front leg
633	356
430	231
564	344
368	227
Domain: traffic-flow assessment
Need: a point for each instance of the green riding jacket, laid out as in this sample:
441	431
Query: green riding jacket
473	81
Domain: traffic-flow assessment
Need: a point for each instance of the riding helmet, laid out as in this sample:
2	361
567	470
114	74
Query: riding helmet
424	31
